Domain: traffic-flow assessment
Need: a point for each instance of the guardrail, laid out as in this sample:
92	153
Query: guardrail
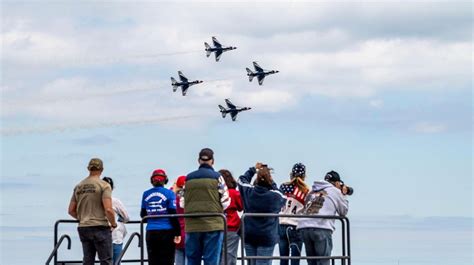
345	231
56	247
122	253
345	238
187	215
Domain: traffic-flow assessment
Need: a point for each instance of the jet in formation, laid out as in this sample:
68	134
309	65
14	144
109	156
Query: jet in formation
232	110
260	73
218	49
184	84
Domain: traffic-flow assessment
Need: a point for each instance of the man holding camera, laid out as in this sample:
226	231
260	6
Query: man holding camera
326	198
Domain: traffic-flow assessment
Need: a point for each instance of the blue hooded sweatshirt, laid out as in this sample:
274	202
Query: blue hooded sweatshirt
260	231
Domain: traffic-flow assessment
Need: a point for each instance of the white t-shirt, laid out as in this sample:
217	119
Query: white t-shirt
120	232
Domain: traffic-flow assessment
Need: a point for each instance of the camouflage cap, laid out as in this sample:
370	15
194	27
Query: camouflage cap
96	164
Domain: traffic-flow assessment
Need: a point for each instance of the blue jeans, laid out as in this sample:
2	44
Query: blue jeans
204	245
317	242
180	256
232	245
117	249
252	250
290	239
96	239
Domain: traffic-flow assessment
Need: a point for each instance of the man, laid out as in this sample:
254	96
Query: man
91	204
326	198
205	192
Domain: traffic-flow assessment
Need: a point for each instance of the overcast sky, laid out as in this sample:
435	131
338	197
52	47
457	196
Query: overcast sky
380	92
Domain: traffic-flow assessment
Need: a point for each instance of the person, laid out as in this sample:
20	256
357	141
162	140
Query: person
295	190
180	254
233	218
205	192
161	233
91	204
261	233
317	232
119	233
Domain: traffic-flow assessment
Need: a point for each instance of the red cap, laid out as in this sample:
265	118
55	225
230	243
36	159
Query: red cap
180	181
158	173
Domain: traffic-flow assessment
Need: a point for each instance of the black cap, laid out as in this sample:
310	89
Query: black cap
206	154
332	176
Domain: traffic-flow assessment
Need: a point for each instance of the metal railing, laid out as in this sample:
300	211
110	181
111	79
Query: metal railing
345	238
345	234
56	247
54	253
129	241
187	215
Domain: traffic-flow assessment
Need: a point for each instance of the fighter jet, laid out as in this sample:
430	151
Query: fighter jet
184	84
232	109
218	49
260	73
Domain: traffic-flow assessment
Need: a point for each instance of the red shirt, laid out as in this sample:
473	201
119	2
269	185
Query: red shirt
233	219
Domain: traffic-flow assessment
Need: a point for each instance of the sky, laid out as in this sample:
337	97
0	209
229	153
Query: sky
380	92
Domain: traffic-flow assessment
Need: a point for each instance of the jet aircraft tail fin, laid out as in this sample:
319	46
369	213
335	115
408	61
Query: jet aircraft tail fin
208	47
250	74
174	84
222	111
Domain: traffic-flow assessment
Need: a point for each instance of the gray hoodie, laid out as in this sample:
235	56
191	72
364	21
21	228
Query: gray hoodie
334	204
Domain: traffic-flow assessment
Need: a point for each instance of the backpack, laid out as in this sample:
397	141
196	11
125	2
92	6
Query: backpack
314	201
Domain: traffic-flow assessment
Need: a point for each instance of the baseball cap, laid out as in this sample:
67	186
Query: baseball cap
298	170
158	174
206	154
180	181
332	176
96	164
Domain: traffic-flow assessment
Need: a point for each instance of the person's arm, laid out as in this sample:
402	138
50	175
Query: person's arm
238	202
109	211
72	209
143	212
121	210
171	208
342	204
224	192
247	176
107	204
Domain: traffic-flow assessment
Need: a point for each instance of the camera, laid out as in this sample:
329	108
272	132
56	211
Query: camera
348	190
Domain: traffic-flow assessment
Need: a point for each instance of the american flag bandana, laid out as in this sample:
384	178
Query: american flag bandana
292	191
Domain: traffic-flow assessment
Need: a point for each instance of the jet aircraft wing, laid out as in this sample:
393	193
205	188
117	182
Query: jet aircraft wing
216	43
260	79
233	115
229	104
218	54
182	77
184	89
257	67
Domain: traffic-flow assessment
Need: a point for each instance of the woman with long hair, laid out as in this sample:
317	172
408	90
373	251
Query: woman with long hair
295	190
263	196
233	219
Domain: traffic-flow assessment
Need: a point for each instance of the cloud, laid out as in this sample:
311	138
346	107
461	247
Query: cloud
429	127
376	103
81	68
94	140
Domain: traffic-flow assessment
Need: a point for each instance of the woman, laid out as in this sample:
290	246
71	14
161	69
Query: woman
180	255
261	233
161	233
119	233
295	190
233	218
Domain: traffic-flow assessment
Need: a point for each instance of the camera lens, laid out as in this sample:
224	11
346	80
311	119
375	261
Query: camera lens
350	190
